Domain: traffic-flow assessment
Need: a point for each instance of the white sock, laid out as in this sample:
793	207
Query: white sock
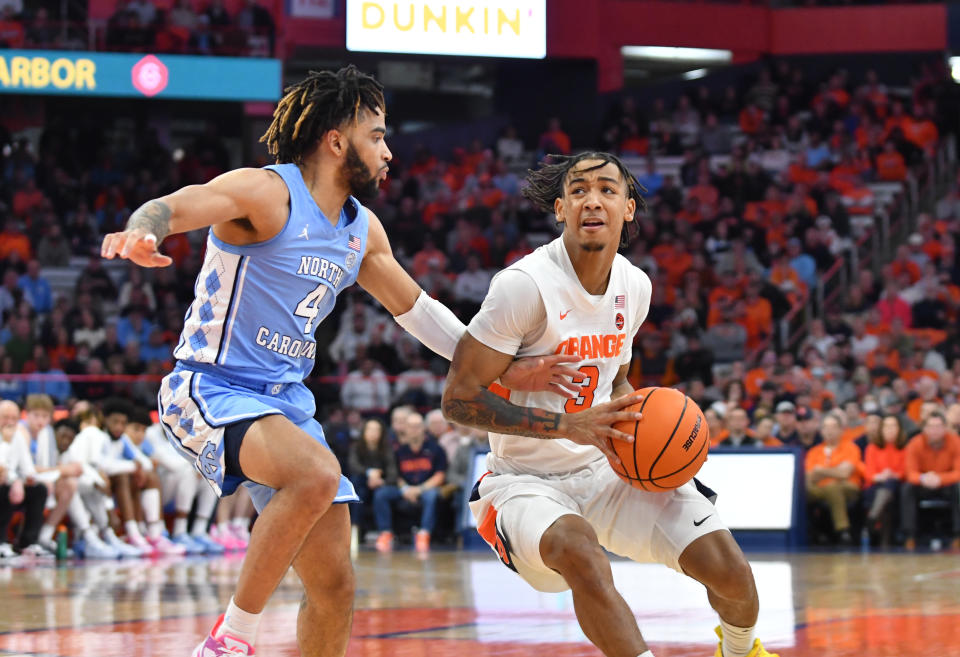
152	507
179	526
89	534
132	530
46	533
206	503
239	624
645	654
737	641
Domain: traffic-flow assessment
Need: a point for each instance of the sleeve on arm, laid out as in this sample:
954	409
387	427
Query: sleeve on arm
512	309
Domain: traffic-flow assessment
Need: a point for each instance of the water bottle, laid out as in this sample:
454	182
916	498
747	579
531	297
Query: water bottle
61	543
865	540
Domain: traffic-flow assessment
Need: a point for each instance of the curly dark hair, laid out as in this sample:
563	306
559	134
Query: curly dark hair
324	100
545	185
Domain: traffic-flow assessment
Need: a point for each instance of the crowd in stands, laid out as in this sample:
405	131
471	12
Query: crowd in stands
157	26
772	182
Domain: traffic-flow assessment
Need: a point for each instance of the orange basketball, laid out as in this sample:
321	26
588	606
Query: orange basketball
670	441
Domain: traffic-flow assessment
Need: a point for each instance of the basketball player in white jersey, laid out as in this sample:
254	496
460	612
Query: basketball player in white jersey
551	501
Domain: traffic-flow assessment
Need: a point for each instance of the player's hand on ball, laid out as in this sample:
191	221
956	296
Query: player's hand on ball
136	245
594	426
544	374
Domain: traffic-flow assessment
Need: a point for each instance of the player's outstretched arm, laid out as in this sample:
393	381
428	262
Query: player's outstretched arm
433	324
250	194
467	401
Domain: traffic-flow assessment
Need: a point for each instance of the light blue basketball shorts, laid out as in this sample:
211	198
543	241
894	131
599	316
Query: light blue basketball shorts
198	405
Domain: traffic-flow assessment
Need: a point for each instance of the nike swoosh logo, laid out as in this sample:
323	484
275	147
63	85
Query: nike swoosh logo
697	523
564	315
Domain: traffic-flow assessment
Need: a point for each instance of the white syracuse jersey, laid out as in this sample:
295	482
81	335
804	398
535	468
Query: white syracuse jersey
538	307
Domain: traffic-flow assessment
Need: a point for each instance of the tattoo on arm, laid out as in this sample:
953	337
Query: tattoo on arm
488	411
152	217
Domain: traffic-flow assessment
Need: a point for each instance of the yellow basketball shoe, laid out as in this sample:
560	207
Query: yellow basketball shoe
757	651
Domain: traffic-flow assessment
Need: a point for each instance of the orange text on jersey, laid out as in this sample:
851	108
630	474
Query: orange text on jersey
593	346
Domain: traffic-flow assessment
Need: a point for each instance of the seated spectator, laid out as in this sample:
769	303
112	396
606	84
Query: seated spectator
892	307
19	489
738	433
373	471
36	288
932	471
509	146
883	474
450	438
554	140
13	240
890	164
11	29
421	466
255	19
366	388
834	472
461	467
417	385
726	339
54	250
471	285
60	480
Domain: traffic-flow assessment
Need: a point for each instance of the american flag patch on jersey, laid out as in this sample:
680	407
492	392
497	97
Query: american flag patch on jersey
354	242
619	302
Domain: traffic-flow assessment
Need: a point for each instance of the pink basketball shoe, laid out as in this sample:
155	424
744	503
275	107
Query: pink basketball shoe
226	539
224	646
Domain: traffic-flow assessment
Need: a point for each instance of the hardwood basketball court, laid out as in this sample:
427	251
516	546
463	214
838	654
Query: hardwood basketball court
459	604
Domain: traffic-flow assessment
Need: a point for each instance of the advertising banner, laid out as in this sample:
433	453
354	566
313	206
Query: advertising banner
138	75
449	27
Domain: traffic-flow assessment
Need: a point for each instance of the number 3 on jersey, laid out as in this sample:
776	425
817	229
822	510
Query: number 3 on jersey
590	375
309	307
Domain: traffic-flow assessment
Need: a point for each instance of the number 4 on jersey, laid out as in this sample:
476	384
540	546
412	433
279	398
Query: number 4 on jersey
309	307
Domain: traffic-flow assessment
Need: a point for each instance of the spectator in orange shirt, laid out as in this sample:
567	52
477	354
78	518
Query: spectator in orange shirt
725	295
674	259
890	164
26	198
751	119
704	191
554	139
883	474
932	471
904	264
427	255
757	316
921	130
786	278
833	475
12	240
763	432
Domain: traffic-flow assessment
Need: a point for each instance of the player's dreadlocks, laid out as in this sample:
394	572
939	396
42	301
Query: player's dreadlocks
545	185
322	102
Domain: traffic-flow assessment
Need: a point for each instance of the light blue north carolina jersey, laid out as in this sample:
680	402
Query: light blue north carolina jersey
257	306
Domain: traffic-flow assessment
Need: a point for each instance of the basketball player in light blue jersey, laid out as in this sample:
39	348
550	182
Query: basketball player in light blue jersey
284	241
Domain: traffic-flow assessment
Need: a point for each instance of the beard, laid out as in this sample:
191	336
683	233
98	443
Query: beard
361	184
